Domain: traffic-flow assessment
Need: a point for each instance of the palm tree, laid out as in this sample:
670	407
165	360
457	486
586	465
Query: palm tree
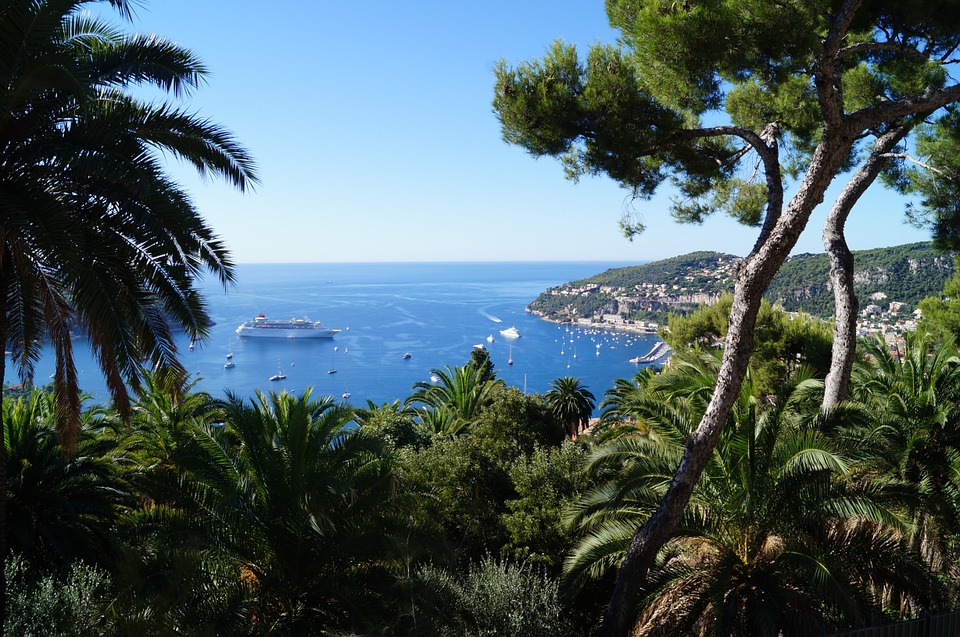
394	421
304	505
95	236
909	439
62	509
162	430
615	406
454	402
776	538
571	402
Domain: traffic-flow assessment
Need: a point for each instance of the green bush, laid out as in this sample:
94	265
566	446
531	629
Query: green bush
48	606
497	598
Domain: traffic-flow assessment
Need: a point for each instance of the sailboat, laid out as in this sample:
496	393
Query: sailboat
333	369
279	375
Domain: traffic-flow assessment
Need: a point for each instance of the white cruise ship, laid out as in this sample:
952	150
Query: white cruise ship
262	327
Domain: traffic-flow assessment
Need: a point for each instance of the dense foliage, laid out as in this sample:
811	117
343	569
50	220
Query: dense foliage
296	515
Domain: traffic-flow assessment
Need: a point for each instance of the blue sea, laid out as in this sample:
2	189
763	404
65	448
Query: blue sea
435	311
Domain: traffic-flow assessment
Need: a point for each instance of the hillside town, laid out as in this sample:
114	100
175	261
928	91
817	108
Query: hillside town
623	308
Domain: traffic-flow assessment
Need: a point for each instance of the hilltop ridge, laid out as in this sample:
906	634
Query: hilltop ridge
642	296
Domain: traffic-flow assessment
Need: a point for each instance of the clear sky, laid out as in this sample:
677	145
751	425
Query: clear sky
372	126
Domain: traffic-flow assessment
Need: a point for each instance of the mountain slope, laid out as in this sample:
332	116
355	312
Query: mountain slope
904	273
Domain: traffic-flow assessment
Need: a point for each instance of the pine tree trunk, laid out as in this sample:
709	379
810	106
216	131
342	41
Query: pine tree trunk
845	302
845	316
753	278
3	473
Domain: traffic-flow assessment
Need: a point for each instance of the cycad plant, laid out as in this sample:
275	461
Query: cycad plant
775	540
304	505
453	403
62	509
907	436
156	443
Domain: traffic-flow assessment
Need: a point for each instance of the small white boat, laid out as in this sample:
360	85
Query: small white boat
229	365
279	375
406	355
229	355
479	346
331	371
510	332
490	338
345	395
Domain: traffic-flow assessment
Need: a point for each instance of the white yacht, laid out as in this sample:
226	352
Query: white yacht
510	332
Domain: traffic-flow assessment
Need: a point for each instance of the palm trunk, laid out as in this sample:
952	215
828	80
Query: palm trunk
841	270
754	276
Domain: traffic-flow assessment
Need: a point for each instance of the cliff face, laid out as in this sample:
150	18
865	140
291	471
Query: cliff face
905	273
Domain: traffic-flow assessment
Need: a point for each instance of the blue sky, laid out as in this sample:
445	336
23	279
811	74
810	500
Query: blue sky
372	126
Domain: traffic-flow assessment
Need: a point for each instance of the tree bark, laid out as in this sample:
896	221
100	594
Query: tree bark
3	466
841	270
752	280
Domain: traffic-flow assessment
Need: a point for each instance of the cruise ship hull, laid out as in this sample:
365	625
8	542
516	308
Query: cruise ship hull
262	327
261	332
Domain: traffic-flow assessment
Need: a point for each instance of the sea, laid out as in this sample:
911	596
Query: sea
436	312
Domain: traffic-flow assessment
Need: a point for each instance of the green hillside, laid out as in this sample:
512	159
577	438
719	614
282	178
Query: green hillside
904	273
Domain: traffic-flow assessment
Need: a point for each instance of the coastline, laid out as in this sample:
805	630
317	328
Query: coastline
629	328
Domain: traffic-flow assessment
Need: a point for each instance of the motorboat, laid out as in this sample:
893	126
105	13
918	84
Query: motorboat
229	365
406	355
510	332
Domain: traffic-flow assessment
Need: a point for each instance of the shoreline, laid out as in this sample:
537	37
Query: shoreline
608	327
